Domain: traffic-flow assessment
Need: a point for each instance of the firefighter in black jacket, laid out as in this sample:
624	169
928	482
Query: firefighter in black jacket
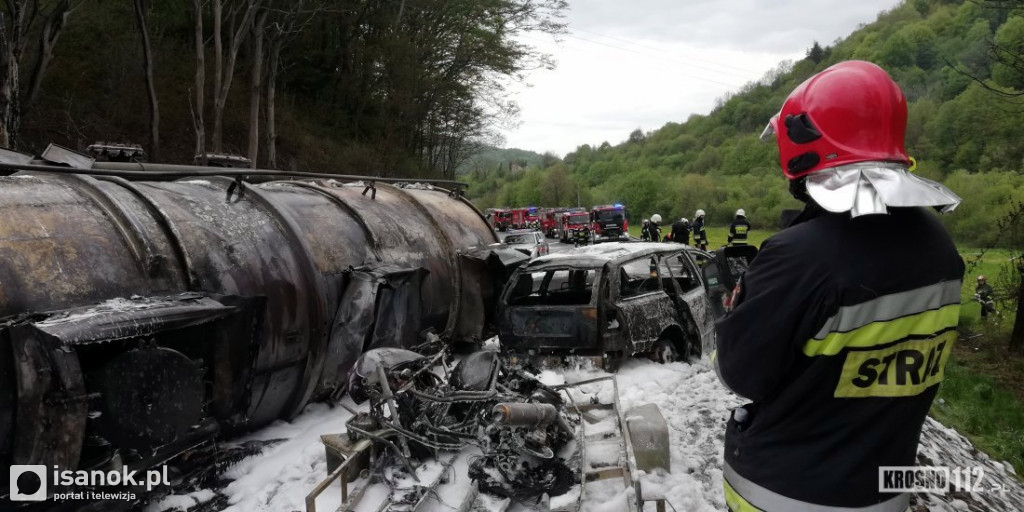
985	296
841	328
653	230
700	234
681	231
739	229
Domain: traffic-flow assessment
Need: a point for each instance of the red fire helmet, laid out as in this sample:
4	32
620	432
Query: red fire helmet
851	112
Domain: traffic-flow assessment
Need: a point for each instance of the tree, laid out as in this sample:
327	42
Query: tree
816	53
142	17
256	32
896	52
19	22
287	20
548	159
237	24
1012	226
199	81
637	136
558	188
1008	53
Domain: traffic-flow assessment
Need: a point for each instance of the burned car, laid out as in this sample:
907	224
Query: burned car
610	301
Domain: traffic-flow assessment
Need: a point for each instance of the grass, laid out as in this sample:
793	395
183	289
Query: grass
717	235
982	395
979	407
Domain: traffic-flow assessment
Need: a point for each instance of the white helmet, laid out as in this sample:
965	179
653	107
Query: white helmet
741	213
684	220
699	214
656	218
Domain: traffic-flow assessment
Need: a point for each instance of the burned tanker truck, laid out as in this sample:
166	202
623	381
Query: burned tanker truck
149	308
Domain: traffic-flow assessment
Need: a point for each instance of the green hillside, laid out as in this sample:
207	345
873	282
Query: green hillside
960	132
490	158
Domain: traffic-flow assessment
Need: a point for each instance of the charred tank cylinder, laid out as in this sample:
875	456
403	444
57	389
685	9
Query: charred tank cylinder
140	318
524	414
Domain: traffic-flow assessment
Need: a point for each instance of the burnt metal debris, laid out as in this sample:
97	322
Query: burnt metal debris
514	419
527	441
225	304
117	152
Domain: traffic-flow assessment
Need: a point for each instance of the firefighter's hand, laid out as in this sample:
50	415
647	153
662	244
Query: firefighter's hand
732	298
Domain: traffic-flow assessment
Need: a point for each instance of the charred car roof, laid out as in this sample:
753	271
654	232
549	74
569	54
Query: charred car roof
597	255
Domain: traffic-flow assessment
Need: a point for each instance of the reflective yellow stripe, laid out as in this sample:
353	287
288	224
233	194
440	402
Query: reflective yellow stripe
741	494
904	369
736	502
892	306
881	333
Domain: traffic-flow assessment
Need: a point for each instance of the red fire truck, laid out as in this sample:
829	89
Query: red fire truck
525	218
532	218
549	220
609	222
568	221
502	219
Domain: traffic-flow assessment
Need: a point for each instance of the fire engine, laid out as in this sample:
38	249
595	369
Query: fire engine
502	219
568	221
523	218
609	222
549	221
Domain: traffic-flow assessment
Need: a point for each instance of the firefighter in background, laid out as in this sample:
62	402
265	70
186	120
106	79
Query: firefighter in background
739	229
840	330
681	231
700	234
985	296
645	231
653	230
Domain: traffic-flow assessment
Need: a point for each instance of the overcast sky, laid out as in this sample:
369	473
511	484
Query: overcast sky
628	64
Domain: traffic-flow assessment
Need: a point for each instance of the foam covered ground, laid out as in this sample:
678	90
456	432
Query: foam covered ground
691	398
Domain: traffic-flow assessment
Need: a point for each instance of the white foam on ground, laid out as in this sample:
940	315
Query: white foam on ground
695	406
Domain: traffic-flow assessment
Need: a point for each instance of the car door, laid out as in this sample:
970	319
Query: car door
698	300
542	243
687	276
643	304
722	270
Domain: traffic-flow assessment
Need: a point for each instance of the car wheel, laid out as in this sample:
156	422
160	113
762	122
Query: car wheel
612	361
691	351
665	351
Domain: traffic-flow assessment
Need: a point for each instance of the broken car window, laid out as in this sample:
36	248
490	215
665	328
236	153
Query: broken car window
562	287
520	239
683	271
638	277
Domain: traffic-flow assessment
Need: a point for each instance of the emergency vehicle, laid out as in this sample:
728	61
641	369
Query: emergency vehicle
609	222
549	220
524	218
502	219
568	221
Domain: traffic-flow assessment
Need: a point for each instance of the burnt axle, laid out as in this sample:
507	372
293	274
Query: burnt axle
138	318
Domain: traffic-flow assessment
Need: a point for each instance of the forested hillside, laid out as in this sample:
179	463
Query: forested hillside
490	158
390	87
946	55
